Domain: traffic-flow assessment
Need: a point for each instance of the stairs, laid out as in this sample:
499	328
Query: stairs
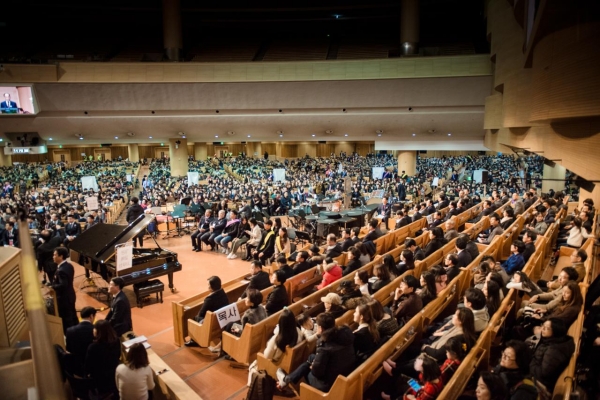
144	170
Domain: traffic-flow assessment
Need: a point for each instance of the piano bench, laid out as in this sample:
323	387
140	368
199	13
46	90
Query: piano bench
145	289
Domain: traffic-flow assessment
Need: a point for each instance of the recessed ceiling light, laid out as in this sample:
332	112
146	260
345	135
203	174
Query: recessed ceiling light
280	135
80	138
48	139
149	137
1	140
379	134
248	135
414	134
183	137
449	134
345	134
216	135
116	137
313	135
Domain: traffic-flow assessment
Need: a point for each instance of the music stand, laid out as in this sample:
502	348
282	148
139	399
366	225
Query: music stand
302	237
179	213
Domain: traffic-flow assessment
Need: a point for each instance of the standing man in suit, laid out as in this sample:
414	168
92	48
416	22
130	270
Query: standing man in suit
78	338
44	253
8	104
120	310
385	210
63	288
72	230
401	189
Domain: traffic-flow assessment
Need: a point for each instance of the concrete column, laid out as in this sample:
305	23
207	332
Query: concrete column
553	178
172	37
178	154
134	152
407	161
200	151
5	160
409	27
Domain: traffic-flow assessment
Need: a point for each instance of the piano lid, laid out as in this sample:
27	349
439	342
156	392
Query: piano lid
99	241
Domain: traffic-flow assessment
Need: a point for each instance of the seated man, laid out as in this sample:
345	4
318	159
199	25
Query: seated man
259	279
529	238
578	259
548	301
266	247
215	300
333	248
495	229
451	231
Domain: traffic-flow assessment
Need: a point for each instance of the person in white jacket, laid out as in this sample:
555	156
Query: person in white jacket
135	378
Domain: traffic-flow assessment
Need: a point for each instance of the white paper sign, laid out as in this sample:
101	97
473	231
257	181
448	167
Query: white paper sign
436	181
378	172
193	178
227	314
278	174
89	182
128	177
124	256
92	203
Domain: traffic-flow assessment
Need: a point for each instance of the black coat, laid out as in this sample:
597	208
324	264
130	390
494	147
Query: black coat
364	344
403	222
464	259
45	251
134	211
513	378
372	236
334	252
73	229
550	358
276	300
120	314
6	237
79	337
301	267
65	293
101	363
212	302
529	250
434	245
346	244
352	266
259	281
333	357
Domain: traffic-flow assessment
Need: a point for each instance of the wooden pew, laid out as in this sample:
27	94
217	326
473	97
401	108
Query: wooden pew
188	308
299	284
208	333
169	385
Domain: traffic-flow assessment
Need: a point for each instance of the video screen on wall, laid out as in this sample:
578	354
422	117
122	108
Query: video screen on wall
17	100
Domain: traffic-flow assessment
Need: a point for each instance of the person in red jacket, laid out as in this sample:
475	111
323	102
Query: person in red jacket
332	272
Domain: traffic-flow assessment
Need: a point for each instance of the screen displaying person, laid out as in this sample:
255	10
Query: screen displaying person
8	105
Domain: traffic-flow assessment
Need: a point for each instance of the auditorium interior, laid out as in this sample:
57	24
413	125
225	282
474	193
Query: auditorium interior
394	131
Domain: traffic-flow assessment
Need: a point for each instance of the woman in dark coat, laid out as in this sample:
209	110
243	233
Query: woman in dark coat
103	357
437	241
552	353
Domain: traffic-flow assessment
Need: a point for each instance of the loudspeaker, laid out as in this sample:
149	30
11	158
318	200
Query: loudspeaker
585	184
105	144
322	141
481	153
422	151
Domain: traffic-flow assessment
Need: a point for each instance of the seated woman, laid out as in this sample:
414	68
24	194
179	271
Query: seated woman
462	326
382	275
333	305
491	292
334	356
278	298
514	368
361	279
314	256
387	325
254	240
366	335
388	261
441	277
351	295
230	232
437	241
521	281
406	301
428	290
365	258
566	310
102	358
253	315
282	243
331	273
353	261
552	353
577	234
407	262
286	333
490	387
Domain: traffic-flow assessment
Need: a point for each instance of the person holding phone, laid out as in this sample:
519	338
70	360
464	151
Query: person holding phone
429	385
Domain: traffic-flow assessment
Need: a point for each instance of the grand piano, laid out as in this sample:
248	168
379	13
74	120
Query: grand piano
99	241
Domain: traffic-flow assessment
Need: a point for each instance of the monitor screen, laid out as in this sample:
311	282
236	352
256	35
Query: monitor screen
17	100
